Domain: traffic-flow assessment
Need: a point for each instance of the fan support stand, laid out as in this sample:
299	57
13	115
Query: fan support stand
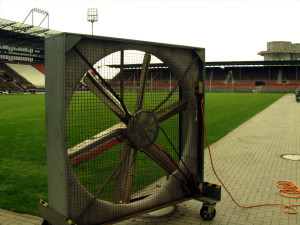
160	213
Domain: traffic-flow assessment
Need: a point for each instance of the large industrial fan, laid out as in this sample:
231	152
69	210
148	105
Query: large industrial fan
124	129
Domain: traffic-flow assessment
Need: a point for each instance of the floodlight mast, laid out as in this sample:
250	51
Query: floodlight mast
92	16
40	11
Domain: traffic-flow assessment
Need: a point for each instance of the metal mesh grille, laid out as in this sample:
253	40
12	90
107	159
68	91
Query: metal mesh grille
96	86
96	134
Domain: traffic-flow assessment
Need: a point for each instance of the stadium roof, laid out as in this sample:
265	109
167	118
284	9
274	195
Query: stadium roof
220	64
253	63
23	35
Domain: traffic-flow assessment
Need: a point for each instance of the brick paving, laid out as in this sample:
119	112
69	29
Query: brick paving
12	218
248	162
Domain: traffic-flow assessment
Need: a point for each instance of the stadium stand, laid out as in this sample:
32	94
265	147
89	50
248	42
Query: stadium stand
7	83
40	67
26	47
246	79
19	80
30	73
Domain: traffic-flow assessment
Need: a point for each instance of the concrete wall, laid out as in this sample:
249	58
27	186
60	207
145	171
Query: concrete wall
281	50
295	56
279	46
277	56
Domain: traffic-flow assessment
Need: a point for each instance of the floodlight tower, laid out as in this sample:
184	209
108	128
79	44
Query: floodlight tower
40	11
92	16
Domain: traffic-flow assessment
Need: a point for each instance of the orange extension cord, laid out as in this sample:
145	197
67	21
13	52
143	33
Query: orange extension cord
288	189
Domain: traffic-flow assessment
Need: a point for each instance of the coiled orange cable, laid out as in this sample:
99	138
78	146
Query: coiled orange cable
288	189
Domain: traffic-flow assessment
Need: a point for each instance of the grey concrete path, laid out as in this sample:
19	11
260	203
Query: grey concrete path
248	162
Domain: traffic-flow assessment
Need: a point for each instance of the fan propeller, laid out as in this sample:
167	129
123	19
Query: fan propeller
105	158
136	132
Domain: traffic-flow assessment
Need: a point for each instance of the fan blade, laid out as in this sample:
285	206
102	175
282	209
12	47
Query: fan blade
157	153
143	78
107	86
177	84
100	139
93	152
124	181
171	110
107	98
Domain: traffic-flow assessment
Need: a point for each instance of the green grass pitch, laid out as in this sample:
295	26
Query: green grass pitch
23	171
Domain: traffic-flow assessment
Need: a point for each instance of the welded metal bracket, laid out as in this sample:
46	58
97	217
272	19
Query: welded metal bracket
198	88
71	41
52	216
211	190
210	193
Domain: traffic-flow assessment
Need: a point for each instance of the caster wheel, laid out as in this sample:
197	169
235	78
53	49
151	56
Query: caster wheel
45	222
204	213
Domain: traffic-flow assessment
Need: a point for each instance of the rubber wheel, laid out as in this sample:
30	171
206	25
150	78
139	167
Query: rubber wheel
205	215
45	222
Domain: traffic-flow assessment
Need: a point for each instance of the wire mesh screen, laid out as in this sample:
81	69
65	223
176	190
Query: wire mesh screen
119	114
122	118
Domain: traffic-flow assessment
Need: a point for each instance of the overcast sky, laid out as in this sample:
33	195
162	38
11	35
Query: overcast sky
228	30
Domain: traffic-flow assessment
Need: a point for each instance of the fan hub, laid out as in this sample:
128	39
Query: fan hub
143	129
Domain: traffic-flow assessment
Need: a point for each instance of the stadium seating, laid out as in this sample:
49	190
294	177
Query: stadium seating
7	82
20	76
30	73
8	85
17	78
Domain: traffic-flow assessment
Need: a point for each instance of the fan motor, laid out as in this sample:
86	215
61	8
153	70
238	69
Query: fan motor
143	129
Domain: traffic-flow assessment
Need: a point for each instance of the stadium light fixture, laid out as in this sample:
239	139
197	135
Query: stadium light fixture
92	16
39	11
